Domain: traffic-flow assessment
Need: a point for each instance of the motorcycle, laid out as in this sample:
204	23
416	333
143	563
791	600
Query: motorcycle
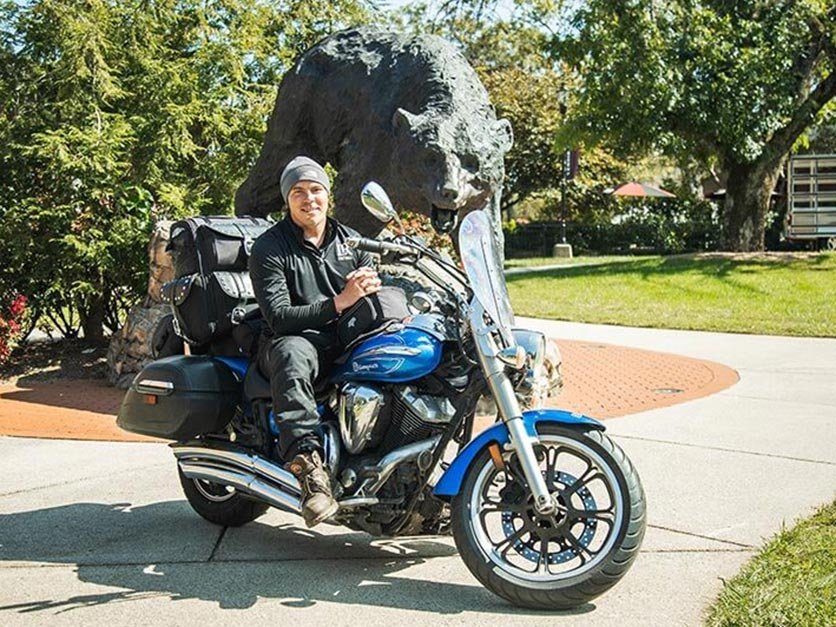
546	510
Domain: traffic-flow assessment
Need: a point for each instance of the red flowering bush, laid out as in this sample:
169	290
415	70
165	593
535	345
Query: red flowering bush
10	325
420	226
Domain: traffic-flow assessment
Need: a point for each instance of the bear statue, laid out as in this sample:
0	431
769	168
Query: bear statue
407	111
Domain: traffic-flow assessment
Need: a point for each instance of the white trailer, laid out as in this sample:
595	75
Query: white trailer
811	199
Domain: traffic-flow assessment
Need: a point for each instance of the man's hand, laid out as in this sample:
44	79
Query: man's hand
359	283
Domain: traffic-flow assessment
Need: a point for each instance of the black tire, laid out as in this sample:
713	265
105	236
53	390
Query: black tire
573	587
219	505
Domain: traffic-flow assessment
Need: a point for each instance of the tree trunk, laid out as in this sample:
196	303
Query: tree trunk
92	319
748	194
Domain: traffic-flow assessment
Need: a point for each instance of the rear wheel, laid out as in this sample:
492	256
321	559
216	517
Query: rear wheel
220	504
565	559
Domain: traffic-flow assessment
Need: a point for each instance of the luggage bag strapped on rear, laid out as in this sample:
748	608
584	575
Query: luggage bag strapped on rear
213	290
204	244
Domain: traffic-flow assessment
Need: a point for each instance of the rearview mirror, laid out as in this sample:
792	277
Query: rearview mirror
375	199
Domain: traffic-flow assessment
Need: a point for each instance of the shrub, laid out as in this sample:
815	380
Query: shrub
657	226
10	327
115	114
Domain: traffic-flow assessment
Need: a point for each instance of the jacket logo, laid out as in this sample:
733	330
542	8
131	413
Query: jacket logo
344	253
351	323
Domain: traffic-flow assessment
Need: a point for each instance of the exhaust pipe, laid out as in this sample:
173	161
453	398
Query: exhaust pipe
253	475
244	483
393	459
252	464
250	474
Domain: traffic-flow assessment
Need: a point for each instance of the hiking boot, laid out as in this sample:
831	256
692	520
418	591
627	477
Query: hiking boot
318	503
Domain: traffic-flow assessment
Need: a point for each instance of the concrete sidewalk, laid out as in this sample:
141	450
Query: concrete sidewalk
94	532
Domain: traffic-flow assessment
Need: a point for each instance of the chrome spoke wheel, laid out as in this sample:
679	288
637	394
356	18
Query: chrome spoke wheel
525	545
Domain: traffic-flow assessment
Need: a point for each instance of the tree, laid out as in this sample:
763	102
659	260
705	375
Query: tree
736	83
821	139
115	113
525	90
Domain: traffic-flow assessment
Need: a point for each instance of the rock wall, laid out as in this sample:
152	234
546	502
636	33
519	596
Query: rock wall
132	346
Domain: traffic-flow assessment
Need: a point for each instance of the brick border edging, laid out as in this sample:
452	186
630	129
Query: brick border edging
600	380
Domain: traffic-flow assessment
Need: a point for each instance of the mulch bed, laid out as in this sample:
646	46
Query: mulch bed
50	360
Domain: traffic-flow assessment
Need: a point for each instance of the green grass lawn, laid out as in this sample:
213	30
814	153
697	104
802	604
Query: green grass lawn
533	262
792	581
773	294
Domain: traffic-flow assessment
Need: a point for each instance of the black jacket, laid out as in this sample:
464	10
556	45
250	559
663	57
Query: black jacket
295	282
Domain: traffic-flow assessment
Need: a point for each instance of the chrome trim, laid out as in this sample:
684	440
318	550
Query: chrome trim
392	460
258	477
422	302
279	475
433	409
359	410
375	199
509	409
243	482
534	344
543	357
523	443
390	351
358	501
331	445
514	356
245	461
152	386
201	486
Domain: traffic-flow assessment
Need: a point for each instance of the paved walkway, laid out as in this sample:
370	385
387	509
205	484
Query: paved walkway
601	380
96	532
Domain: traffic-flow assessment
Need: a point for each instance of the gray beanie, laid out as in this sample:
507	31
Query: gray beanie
302	169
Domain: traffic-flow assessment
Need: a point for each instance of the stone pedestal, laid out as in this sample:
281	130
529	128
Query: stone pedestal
562	250
130	347
160	265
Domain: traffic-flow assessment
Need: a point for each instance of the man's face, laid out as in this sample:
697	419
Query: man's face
308	204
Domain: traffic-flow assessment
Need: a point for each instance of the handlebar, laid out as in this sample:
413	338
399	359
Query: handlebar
377	246
419	252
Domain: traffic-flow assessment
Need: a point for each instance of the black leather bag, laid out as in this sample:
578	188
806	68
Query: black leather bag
366	317
204	244
206	307
247	334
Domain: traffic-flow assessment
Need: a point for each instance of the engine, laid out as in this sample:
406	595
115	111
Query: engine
371	418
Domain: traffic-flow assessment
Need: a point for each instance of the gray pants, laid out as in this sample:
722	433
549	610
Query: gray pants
295	364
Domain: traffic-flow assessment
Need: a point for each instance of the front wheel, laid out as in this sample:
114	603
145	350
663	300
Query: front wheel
565	559
220	504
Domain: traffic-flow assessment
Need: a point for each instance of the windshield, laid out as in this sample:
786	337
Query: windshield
481	262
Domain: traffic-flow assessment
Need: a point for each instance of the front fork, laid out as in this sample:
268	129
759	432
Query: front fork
511	413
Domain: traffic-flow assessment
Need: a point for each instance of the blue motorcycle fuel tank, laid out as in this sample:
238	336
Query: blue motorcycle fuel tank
403	355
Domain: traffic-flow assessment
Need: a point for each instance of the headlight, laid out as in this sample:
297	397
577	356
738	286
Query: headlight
534	344
533	388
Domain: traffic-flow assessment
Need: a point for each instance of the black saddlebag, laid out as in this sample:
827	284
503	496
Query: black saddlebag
180	397
207	306
204	244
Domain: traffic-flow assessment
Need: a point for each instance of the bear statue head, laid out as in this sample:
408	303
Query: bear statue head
448	162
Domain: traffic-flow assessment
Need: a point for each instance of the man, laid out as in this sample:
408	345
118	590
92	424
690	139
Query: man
304	277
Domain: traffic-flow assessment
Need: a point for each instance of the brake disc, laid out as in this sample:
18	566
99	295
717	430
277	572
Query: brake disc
527	547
